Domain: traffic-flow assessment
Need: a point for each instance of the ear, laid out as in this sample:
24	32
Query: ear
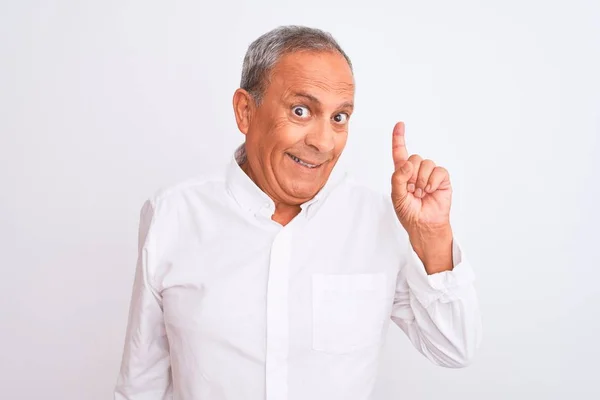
243	107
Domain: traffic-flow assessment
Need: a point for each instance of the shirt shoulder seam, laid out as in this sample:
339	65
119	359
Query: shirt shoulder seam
161	194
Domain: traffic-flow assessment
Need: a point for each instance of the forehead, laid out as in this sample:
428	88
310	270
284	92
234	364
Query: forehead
323	71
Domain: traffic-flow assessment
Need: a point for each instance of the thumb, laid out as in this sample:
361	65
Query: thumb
400	179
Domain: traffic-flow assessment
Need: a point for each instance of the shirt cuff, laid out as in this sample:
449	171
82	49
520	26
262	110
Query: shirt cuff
446	286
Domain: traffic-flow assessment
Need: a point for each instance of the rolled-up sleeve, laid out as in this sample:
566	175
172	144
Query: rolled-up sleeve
145	368
439	312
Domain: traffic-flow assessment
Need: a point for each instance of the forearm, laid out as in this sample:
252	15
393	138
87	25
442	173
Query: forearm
446	332
439	311
433	245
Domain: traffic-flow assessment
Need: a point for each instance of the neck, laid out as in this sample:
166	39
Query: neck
284	212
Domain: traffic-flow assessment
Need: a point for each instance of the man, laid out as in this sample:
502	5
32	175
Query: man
276	278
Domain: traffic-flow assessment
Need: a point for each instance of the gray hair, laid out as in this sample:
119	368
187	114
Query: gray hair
264	52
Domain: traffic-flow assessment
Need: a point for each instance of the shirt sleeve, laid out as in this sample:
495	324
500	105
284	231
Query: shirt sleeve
145	372
439	313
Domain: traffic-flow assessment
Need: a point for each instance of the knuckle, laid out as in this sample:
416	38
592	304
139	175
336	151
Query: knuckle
415	158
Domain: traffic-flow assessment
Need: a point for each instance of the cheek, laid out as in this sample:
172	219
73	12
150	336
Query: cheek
287	133
280	124
340	141
270	131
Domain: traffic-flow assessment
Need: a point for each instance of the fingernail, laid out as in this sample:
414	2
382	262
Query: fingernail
428	188
419	192
411	187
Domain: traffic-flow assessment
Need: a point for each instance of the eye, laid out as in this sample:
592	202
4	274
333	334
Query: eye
341	118
301	111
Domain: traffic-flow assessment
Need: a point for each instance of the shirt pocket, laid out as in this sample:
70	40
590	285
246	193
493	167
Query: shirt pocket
349	311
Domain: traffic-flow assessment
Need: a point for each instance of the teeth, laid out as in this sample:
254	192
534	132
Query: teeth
299	161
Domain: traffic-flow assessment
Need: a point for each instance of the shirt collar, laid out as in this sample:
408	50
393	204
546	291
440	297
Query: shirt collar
251	198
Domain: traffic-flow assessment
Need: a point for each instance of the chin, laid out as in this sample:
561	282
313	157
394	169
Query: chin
303	190
301	183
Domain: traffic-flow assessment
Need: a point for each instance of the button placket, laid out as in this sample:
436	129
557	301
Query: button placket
277	316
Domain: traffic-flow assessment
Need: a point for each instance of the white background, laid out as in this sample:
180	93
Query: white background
104	102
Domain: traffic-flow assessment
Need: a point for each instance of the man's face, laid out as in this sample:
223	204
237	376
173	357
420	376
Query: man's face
297	133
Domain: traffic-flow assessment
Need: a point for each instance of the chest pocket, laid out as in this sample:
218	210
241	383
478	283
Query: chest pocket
349	311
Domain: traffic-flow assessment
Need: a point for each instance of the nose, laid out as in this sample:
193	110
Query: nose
321	138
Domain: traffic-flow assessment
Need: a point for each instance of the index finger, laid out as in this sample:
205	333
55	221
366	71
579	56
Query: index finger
399	152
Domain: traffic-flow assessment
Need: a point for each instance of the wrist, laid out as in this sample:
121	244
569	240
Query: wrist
433	245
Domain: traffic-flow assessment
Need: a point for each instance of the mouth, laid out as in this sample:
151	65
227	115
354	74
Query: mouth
302	162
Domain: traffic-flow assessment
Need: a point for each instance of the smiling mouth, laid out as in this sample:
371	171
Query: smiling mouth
303	163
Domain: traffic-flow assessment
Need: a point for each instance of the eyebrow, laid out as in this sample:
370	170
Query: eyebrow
310	97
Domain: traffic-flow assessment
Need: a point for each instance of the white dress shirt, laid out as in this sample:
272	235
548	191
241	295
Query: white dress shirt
228	304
